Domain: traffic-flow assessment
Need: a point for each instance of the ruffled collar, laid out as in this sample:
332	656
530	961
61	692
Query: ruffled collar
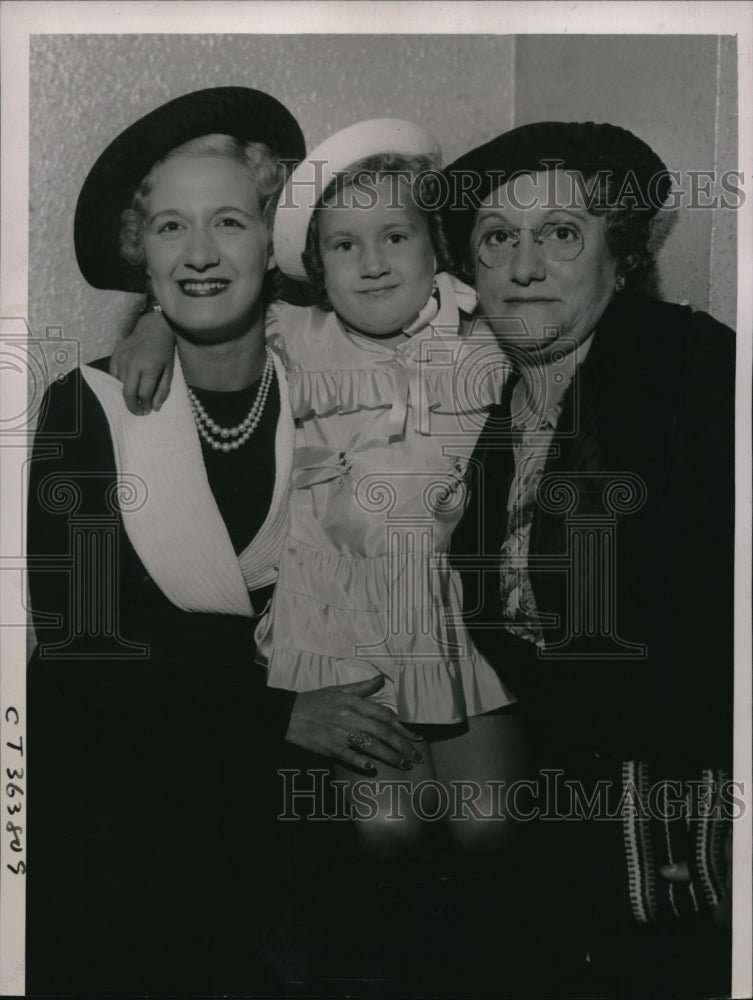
434	369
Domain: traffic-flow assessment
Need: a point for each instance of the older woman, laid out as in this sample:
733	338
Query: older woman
598	548
153	738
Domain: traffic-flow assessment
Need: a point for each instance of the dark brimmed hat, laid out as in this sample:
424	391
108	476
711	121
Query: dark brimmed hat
583	146
247	115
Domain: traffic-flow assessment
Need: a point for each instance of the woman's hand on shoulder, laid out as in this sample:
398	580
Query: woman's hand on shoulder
342	723
143	361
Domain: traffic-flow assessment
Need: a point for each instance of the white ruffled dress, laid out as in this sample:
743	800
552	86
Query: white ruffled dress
383	439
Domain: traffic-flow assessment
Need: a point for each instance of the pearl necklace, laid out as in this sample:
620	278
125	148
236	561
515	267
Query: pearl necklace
218	437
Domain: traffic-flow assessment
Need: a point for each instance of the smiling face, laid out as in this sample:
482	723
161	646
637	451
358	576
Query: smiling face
206	246
556	298
378	259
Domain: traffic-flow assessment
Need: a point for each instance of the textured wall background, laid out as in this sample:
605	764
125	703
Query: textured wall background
677	93
86	89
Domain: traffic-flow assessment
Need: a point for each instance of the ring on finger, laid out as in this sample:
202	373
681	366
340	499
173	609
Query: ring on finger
360	741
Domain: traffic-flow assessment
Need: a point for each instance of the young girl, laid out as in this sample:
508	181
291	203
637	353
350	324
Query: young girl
389	401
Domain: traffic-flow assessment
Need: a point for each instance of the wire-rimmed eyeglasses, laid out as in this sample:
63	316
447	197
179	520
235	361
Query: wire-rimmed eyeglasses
558	241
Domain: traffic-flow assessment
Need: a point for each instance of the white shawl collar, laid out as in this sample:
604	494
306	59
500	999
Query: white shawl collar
178	531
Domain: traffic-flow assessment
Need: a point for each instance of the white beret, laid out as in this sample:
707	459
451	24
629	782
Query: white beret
310	178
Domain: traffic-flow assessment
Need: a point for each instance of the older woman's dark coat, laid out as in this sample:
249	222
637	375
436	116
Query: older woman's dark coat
654	399
652	407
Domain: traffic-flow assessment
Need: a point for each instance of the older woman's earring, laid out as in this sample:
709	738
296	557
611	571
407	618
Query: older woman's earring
619	283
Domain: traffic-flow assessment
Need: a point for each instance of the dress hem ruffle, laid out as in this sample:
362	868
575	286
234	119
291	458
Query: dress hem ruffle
428	693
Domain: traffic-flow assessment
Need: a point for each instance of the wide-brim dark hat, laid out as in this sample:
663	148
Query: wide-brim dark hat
583	146
248	115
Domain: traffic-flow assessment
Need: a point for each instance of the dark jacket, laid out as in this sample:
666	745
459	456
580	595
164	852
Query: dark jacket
153	744
648	418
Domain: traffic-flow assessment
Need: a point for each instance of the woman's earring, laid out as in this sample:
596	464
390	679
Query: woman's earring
619	283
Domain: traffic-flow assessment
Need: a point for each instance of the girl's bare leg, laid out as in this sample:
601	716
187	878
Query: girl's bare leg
477	766
381	806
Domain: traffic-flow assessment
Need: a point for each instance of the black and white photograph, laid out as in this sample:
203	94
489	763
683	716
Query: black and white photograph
375	529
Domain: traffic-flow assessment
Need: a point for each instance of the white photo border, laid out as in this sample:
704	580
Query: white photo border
19	21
